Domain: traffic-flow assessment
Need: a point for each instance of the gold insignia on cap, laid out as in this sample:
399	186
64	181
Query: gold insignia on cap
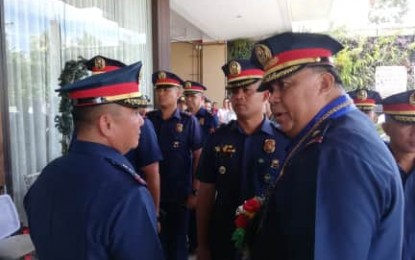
362	94
179	127
222	169
162	75
234	68
269	145
188	84
412	99
99	63
263	54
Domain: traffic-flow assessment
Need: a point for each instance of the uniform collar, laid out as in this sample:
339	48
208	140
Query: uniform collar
98	150
266	127
176	114
343	99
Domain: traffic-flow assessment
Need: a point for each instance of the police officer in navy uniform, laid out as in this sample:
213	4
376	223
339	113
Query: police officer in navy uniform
180	139
90	203
366	101
145	158
339	195
193	92
238	162
399	125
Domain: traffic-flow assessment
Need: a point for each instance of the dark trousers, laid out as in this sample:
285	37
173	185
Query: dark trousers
174	230
192	234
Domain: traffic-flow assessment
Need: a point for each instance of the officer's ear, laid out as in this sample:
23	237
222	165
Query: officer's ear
105	124
107	119
327	83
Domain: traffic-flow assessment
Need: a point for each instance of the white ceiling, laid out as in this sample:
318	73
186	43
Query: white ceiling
218	20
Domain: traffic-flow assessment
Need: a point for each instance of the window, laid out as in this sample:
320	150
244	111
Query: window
41	35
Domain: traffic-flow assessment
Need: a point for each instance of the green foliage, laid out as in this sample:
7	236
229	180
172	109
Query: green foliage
358	61
73	71
240	49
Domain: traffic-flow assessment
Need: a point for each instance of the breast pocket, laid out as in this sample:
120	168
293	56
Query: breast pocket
227	179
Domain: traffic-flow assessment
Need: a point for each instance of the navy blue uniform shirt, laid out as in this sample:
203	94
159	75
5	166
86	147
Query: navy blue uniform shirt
178	137
241	166
408	181
206	121
87	205
148	151
339	196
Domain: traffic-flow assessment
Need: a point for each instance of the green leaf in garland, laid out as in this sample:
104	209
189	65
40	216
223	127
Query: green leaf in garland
73	71
238	237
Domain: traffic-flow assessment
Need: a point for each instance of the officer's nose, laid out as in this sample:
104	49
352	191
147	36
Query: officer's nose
275	96
237	93
140	120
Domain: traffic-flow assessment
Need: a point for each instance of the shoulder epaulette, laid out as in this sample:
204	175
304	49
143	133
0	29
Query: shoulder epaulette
318	135
125	168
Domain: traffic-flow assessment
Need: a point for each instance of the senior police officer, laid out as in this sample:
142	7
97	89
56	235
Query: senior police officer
399	125
180	139
90	203
339	194
366	101
145	158
238	162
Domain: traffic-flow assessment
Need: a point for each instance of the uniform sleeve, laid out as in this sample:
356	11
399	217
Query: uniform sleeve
358	209
409	238
148	150
206	168
195	134
134	233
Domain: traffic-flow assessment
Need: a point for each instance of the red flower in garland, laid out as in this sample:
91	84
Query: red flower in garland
244	214
252	205
241	221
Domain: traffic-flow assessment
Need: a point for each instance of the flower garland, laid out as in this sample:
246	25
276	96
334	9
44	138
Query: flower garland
243	216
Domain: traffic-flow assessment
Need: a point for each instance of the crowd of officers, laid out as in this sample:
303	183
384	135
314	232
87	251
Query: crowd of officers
318	183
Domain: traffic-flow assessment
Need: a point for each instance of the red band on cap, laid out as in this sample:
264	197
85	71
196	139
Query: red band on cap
106	91
302	54
198	88
398	107
245	73
368	101
167	81
106	69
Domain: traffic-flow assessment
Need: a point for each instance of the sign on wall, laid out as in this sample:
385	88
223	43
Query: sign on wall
390	80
